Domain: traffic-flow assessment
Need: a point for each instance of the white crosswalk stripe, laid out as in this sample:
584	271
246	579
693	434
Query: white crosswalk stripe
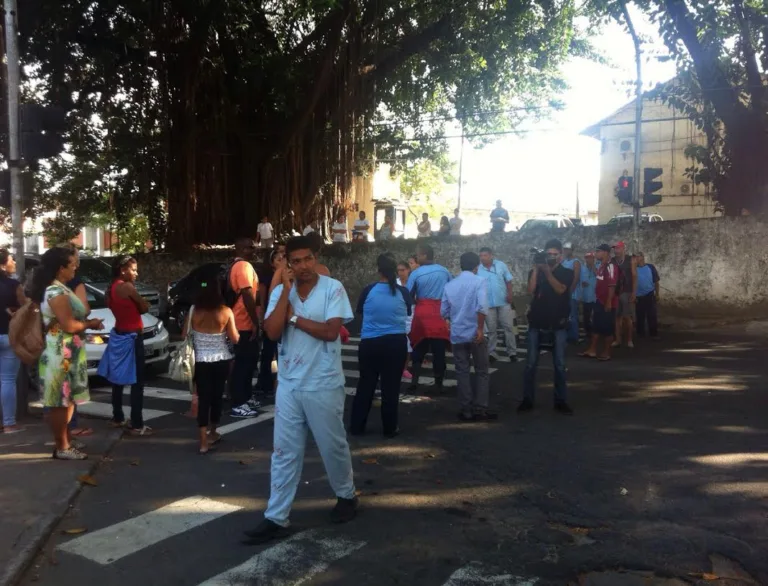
475	574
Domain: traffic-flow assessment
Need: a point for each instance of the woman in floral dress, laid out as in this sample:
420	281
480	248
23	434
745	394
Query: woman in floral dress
62	368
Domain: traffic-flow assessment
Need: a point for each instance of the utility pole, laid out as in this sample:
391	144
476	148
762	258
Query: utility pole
461	166
14	134
636	217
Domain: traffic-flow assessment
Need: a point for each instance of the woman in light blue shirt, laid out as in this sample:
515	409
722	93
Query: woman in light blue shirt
384	307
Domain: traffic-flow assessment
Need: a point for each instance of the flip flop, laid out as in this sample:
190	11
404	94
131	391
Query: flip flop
214	439
81	432
603	358
586	355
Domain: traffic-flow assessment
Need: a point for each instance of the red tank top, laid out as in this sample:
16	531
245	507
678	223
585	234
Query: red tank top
127	316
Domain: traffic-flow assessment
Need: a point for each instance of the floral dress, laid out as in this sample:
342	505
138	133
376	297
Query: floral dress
63	368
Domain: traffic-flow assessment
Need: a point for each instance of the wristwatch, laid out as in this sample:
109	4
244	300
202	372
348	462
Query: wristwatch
293	320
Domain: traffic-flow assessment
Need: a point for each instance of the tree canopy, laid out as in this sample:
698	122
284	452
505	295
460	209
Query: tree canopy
204	115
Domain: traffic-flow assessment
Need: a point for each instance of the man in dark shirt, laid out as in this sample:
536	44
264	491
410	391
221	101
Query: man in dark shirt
549	284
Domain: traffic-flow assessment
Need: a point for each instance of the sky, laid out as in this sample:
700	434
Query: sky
540	171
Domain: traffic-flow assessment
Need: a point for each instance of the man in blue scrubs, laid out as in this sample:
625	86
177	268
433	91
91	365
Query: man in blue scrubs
306	317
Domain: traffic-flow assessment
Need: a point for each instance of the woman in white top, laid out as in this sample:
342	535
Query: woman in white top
339	229
425	227
212	327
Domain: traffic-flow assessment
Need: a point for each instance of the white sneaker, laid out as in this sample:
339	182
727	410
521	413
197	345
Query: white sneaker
630	344
253	404
244	411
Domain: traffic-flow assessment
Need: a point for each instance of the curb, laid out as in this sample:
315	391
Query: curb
43	529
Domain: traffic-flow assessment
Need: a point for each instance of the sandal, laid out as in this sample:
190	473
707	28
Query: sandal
587	355
81	432
603	358
205	452
117	424
9	429
140	431
214	438
69	454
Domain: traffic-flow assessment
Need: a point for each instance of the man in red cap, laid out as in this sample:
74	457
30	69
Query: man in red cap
626	290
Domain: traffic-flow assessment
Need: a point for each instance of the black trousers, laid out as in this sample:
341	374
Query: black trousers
246	363
646	310
588	310
383	357
211	380
266	382
137	390
438	356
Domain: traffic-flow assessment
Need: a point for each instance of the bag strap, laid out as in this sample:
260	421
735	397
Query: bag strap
189	321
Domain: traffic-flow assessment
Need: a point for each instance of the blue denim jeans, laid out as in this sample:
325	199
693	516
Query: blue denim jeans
558	359
9	370
573	322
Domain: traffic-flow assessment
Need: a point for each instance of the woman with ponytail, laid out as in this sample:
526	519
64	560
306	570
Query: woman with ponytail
384	307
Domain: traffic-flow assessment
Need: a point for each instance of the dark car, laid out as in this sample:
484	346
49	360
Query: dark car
182	293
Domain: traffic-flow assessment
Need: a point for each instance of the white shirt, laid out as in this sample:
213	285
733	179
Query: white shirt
265	231
339	237
308	230
362	225
455	225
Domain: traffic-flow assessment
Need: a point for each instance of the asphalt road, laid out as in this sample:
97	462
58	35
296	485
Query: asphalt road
662	467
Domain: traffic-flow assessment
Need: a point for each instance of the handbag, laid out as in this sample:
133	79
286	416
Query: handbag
182	365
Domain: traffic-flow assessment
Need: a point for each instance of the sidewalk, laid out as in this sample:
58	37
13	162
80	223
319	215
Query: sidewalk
37	490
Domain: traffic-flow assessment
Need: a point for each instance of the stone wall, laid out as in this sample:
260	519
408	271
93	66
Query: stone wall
712	269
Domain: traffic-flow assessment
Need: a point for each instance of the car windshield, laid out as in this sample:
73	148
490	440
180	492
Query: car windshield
93	270
534	223
96	299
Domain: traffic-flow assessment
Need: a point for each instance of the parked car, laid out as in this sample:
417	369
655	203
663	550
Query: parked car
98	274
154	333
624	219
550	222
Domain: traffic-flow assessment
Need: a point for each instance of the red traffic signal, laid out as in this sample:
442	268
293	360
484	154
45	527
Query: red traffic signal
624	192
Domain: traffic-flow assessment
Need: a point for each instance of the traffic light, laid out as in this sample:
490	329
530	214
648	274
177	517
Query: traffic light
650	187
624	192
42	129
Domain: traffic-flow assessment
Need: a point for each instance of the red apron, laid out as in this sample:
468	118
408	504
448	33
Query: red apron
427	322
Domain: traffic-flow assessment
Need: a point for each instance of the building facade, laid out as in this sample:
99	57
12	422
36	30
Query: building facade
666	133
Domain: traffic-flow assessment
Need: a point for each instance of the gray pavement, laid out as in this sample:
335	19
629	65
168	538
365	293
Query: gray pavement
660	475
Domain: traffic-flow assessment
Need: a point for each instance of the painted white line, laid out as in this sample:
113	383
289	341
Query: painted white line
474	574
267	413
115	542
290	563
104	411
155	393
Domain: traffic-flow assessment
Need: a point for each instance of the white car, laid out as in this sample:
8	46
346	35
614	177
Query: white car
155	335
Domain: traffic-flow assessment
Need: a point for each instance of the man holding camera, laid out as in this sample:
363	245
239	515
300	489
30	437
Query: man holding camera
549	284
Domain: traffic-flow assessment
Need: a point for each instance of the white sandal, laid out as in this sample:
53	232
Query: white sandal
140	431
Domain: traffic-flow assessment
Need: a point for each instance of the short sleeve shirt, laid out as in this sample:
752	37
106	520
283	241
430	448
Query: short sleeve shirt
362	225
306	363
607	275
455	224
384	313
498	276
340	237
243	276
265	231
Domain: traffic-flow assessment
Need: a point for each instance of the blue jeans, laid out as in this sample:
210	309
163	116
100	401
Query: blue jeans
573	322
9	370
558	359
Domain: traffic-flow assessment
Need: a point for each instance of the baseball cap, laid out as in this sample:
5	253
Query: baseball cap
604	247
568	245
619	244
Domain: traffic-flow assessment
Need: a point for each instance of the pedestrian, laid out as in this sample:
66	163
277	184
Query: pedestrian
266	380
383	351
549	284
11	299
456	223
465	305
499	218
265	233
212	329
647	297
339	229
127	337
313	226
62	368
413	262
626	288
428	330
307	316
361	228
500	310
425	226
604	316
444	231
403	272
243	282
387	229
571	262
588	299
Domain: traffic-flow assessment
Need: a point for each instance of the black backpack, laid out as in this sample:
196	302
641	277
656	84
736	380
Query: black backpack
230	296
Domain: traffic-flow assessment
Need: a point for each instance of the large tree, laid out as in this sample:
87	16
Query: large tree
206	114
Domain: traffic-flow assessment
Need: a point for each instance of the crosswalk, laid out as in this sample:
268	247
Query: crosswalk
317	553
164	397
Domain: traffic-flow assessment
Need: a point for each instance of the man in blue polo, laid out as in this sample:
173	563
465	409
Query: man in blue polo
428	329
500	312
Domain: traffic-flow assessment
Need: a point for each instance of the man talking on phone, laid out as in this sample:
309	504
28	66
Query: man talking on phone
549	284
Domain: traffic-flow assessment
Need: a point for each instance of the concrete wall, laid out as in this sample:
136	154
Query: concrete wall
663	145
710	269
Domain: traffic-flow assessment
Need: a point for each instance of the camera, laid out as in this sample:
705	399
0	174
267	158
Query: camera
538	257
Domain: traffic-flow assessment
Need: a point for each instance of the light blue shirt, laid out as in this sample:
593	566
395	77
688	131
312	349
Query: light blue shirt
646	280
569	264
590	277
428	282
497	276
306	363
384	313
463	298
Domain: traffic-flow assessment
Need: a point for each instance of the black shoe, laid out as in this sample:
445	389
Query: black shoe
492	359
344	511
413	387
514	359
525	406
486	416
563	408
266	531
392	434
466	417
438	384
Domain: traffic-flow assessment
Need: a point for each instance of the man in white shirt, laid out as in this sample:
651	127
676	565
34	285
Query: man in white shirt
265	234
360	229
455	223
339	229
311	227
